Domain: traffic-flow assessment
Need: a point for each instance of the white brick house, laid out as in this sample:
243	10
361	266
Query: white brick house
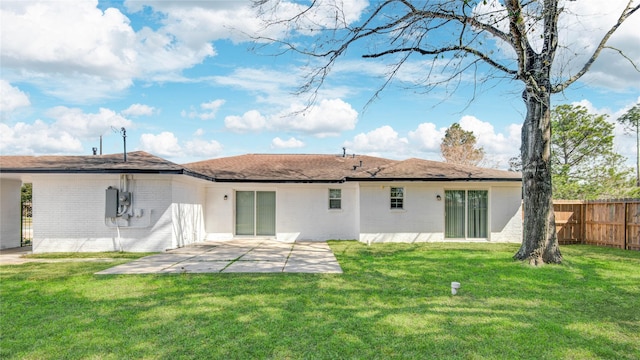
101	203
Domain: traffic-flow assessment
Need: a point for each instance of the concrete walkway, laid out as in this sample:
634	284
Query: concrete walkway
15	256
239	256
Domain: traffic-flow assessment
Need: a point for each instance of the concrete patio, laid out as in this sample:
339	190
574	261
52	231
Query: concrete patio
237	256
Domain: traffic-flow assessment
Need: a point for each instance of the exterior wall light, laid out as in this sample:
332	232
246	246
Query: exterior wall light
438	197
226	197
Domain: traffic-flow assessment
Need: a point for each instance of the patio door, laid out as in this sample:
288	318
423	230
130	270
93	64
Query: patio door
256	213
466	214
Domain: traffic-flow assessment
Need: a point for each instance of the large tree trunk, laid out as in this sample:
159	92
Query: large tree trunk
540	242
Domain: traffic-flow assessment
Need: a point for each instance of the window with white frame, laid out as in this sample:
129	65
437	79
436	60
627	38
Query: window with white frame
397	198
335	199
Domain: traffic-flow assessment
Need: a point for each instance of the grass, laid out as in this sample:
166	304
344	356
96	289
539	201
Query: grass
393	301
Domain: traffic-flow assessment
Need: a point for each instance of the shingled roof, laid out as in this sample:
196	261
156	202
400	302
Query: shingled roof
261	168
336	168
137	162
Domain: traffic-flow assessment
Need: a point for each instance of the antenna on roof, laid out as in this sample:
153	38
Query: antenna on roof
123	132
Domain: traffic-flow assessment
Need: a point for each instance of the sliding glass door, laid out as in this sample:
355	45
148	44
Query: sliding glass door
477	213
256	213
466	214
454	203
265	213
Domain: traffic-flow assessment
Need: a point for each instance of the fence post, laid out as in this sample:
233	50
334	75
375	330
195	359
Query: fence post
626	221
583	223
21	223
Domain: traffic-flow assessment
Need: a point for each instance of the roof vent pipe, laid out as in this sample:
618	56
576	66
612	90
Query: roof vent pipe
95	151
344	151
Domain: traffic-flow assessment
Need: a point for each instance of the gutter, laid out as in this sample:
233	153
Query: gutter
272	181
265	181
433	179
89	171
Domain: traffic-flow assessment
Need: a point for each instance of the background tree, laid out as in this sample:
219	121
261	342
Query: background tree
25	193
470	37
584	163
515	164
631	122
459	147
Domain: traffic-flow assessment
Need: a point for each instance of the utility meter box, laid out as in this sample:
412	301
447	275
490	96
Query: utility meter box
124	198
111	203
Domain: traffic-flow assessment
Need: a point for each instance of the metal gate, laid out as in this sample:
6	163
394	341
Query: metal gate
26	226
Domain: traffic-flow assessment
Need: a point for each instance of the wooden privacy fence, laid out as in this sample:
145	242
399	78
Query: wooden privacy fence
613	223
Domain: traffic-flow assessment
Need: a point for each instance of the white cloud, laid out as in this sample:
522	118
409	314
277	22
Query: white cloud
55	36
37	138
64	135
82	125
427	137
167	145
12	98
211	109
327	118
273	87
292	143
59	46
78	52
139	110
382	139
250	121
624	142
164	144
199	132
198	22
202	148
492	142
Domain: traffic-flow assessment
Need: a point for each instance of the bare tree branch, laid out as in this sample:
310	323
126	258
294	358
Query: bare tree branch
625	14
400	28
465	49
624	56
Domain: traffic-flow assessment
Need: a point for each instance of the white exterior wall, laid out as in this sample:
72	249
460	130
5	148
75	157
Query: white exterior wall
422	219
187	212
10	213
302	211
506	214
219	213
177	210
69	214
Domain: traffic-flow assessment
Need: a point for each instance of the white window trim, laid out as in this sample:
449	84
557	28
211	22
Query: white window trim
330	198
404	193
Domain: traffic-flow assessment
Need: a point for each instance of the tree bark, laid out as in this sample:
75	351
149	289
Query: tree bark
540	241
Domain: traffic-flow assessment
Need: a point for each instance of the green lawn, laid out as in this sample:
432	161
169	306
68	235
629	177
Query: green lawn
393	301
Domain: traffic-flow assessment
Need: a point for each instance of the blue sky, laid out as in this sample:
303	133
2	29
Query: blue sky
184	80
